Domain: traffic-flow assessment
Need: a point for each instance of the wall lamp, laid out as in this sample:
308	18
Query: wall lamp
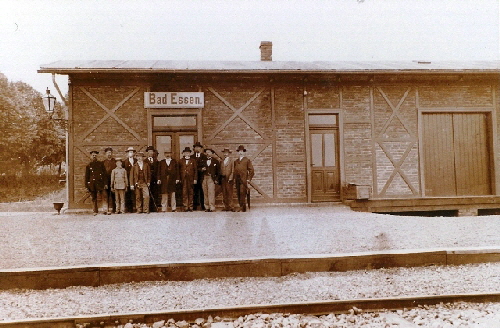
49	102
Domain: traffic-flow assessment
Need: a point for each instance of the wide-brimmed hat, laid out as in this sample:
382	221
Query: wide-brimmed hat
241	147
226	150
108	149
94	151
197	144
187	150
150	148
130	149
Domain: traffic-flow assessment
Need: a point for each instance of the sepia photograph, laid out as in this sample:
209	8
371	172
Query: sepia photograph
249	164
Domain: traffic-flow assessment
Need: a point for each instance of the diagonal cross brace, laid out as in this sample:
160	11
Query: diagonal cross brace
397	168
395	110
237	113
110	113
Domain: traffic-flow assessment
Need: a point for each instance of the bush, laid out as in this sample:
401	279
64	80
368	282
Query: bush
29	187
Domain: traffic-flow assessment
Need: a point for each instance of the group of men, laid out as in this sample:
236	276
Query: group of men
141	184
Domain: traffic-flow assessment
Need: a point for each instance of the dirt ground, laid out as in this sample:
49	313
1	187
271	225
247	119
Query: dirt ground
49	240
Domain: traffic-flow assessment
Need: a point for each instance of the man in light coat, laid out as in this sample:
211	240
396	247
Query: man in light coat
227	183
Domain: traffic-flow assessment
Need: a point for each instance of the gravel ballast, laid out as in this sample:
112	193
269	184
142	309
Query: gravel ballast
463	315
46	240
209	293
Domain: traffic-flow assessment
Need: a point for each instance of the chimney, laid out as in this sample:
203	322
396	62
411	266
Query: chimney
266	51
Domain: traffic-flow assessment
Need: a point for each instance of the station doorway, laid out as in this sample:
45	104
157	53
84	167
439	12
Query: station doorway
324	157
174	133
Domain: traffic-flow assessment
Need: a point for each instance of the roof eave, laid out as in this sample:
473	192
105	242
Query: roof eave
65	71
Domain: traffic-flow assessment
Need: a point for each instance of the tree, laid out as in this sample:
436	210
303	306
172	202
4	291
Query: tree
28	136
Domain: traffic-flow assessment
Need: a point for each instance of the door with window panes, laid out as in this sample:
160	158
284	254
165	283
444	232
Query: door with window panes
174	133
324	160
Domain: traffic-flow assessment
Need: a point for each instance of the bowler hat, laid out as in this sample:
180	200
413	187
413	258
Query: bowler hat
130	149
241	147
94	151
140	154
197	144
226	150
187	150
108	149
150	148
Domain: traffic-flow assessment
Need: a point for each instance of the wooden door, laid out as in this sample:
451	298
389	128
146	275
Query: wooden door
174	142
325	173
456	150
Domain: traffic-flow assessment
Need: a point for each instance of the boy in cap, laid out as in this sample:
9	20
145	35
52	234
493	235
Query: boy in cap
210	172
139	181
227	169
243	174
129	193
168	178
96	181
119	184
109	164
189	177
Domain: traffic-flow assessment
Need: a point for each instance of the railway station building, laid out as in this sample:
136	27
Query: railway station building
379	136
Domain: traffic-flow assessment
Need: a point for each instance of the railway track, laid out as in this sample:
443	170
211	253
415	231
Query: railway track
232	313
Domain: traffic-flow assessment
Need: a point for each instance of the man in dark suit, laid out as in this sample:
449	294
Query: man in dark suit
128	164
96	182
168	178
243	174
200	157
140	178
109	164
189	176
210	169
153	165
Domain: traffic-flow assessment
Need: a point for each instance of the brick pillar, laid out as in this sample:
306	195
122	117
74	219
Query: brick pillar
266	51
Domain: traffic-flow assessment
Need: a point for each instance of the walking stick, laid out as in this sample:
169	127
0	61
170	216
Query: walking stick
248	197
152	197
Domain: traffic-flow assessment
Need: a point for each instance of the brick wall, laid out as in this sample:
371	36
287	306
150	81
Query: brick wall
365	110
89	135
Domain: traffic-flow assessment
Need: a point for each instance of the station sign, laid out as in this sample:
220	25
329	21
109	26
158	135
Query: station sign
174	99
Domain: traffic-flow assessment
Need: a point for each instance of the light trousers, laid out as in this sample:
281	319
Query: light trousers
209	192
120	200
164	201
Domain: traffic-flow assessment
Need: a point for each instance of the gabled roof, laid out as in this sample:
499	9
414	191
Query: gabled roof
180	66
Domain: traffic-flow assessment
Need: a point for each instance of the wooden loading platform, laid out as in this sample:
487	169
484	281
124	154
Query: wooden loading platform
449	206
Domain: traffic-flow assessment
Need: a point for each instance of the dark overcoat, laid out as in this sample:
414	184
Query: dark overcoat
167	174
188	171
109	165
95	176
243	169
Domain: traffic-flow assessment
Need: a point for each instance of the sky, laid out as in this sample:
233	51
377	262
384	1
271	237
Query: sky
33	33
